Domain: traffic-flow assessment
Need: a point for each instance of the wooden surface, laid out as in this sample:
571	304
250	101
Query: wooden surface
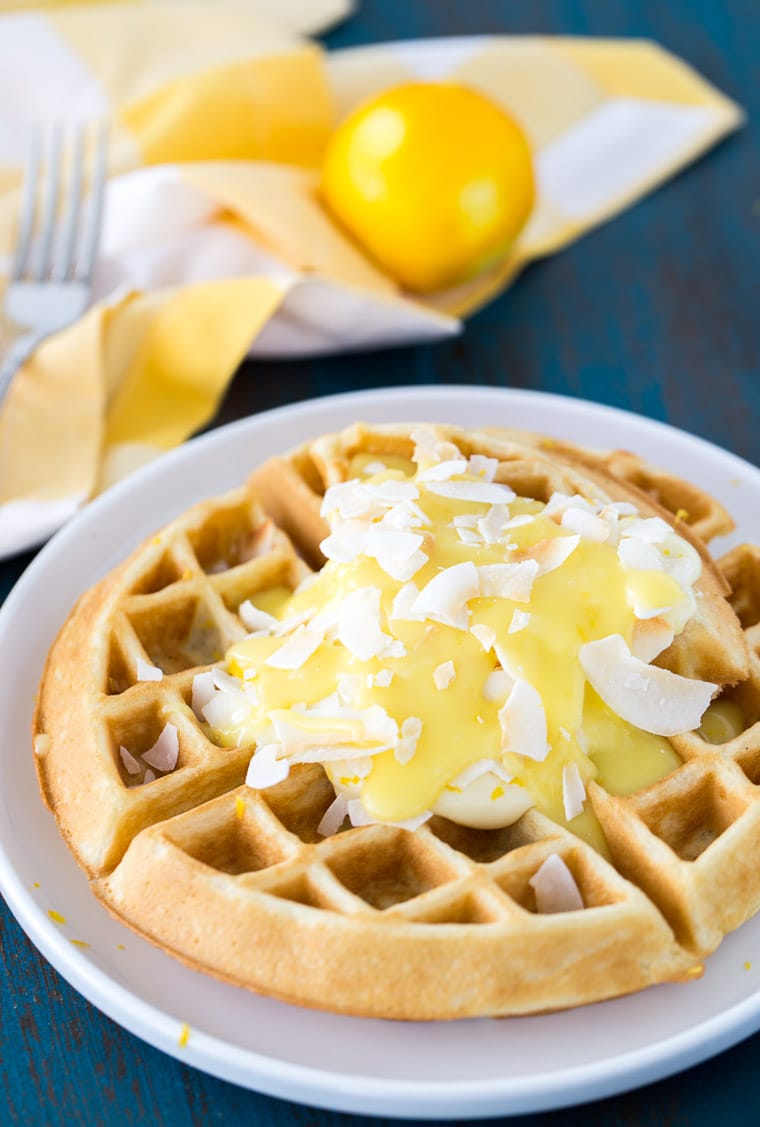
657	312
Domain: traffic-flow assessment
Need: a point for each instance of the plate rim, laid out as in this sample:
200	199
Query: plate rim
323	1087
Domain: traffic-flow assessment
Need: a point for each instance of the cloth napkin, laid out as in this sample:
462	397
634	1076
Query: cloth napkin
214	244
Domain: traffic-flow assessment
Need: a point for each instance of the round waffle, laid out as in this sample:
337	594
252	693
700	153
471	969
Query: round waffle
441	922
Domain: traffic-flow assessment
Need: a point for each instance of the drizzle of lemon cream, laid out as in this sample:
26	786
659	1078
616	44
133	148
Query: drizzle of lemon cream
579	592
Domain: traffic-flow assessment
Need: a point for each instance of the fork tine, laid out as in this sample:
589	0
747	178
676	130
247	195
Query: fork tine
28	206
49	206
64	268
97	193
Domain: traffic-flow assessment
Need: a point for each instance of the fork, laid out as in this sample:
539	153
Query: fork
51	272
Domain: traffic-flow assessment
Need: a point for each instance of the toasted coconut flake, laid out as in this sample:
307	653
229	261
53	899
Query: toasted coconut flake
573	791
131	766
359	629
255	620
165	751
444	674
297	650
652	529
476	492
648	697
497	685
469	536
651	636
444	599
523	722
484	634
444	471
472	772
481	466
555	887
226	709
404	601
333	817
345	542
551	553
203	692
509	580
397	552
639	555
491	526
358	816
428	448
411	730
149	776
266	769
520	619
148	672
586	524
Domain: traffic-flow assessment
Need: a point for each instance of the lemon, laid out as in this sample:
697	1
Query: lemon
433	179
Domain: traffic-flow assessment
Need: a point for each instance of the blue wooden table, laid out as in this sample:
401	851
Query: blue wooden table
657	312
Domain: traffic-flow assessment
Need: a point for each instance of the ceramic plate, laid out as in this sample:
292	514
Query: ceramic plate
444	1070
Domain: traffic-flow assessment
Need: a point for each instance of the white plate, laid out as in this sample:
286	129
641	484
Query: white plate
460	1069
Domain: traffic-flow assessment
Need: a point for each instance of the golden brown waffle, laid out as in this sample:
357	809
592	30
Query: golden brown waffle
437	923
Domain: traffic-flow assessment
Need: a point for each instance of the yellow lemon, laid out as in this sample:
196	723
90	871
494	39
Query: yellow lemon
433	179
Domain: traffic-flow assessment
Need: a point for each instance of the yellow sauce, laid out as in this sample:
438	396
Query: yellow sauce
590	596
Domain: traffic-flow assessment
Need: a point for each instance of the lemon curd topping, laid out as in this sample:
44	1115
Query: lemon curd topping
438	661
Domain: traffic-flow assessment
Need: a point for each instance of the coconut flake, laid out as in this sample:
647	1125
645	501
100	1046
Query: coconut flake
411	730
148	672
648	697
469	536
165	751
359	629
375	467
333	817
508	580
131	766
203	692
404	601
297	650
549	554
256	621
651	636
359	817
266	769
382	678
639	555
345	542
444	471
555	887
397	552
520	619
476	492
573	791
481	466
497	684
586	524
472	772
484	634
444	674
491	526
444	599
149	776
523	722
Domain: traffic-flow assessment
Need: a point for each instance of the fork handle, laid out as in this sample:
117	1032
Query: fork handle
18	353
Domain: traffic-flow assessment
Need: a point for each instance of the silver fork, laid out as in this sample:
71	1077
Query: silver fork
51	273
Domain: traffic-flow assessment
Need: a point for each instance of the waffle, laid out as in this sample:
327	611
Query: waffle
438	923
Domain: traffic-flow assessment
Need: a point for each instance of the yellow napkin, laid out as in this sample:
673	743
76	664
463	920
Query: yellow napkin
214	244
